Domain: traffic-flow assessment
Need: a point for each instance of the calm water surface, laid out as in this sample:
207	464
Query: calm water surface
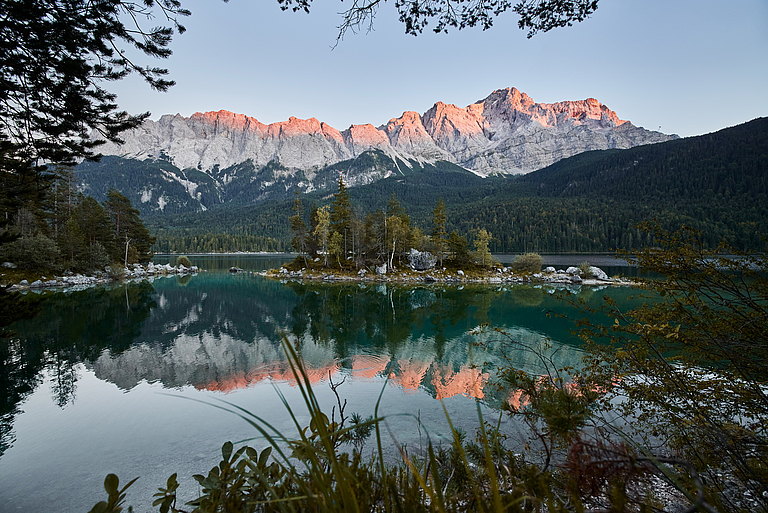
100	380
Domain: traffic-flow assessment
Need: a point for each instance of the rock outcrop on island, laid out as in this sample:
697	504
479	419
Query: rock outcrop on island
505	133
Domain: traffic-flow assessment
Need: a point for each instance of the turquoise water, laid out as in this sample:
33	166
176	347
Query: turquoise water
101	380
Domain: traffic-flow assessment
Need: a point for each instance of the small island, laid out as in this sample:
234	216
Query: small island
383	246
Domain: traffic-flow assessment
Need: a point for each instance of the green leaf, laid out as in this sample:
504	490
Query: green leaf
264	456
111	482
226	450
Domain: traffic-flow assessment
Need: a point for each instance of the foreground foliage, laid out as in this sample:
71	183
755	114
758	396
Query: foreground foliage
670	415
695	365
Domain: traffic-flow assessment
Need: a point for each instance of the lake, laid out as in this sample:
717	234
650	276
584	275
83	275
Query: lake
126	378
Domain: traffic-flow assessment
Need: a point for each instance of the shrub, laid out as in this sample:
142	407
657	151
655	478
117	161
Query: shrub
96	258
116	271
527	263
586	270
36	252
183	260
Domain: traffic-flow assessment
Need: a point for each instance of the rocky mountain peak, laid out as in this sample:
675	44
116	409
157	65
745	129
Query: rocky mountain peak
507	132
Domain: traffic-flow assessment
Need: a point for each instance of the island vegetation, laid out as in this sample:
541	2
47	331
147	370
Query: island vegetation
338	237
340	244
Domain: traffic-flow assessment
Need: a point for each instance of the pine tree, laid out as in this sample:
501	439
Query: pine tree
482	251
96	226
132	239
341	214
299	228
439	233
322	230
459	249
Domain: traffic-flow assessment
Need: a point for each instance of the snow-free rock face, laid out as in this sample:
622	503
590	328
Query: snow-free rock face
505	133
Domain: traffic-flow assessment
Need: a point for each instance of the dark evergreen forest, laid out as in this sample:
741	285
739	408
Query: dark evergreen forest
592	202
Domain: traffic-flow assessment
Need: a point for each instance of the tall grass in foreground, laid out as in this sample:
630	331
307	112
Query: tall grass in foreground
323	469
311	472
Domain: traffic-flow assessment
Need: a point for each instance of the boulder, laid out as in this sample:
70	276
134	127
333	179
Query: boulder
598	273
36	284
23	283
382	269
9	265
421	260
573	270
460	272
549	269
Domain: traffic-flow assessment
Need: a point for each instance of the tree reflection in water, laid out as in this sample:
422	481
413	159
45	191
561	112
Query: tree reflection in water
220	332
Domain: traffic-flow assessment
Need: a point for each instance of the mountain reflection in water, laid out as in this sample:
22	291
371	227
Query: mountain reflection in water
228	336
84	385
220	332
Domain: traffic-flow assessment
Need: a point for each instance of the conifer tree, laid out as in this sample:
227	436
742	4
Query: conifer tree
322	230
341	214
132	239
457	245
482	251
299	228
96	226
439	233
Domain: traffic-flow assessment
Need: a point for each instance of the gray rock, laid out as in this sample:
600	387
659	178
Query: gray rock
573	270
36	284
9	265
460	272
549	269
382	269
421	260
598	273
24	283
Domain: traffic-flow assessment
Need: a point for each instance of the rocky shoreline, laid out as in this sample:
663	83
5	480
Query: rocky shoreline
72	281
549	275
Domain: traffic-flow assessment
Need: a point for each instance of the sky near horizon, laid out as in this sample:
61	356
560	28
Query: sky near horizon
687	66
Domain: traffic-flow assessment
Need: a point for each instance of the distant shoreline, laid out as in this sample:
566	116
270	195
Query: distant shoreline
232	253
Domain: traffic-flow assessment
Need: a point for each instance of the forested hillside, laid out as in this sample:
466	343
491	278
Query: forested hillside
717	183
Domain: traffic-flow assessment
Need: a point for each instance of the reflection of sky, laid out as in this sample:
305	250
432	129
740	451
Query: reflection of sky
216	336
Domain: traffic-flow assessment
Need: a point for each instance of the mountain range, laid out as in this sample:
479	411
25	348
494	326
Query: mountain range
716	183
181	164
224	182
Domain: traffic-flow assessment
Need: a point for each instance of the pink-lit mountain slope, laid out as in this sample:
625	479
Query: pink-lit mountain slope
506	133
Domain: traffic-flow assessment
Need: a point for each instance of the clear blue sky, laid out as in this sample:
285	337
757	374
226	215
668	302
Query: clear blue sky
689	66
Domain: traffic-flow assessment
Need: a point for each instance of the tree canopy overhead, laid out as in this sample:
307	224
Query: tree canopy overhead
56	55
442	15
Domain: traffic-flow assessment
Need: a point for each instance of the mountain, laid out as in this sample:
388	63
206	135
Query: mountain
218	156
505	133
590	202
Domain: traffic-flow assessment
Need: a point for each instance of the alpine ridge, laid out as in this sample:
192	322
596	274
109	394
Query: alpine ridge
505	133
